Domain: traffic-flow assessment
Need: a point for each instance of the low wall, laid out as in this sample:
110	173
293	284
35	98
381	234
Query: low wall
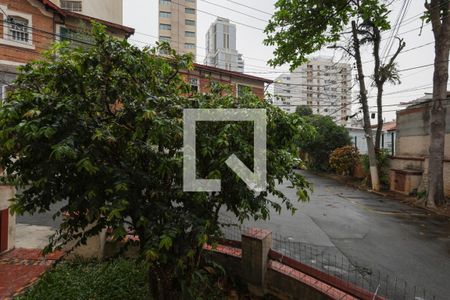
268	272
421	164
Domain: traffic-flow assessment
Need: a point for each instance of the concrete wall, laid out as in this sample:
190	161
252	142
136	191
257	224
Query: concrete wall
413	129
413	142
108	10
266	272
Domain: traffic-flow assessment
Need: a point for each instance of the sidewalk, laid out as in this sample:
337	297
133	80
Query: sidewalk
21	267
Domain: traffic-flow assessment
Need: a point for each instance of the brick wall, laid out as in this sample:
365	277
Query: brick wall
42	32
205	79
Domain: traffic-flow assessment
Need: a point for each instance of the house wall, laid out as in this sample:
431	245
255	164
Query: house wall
108	10
358	138
40	20
413	129
43	29
206	77
413	142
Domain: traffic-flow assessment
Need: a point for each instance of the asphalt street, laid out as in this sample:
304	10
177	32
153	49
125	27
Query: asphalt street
377	236
342	228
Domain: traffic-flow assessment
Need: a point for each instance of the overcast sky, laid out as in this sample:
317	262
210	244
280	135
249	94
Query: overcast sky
143	16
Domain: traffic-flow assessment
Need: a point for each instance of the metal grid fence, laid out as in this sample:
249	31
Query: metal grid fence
332	262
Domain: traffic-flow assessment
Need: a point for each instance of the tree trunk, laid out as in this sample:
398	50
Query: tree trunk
437	127
441	31
380	117
363	98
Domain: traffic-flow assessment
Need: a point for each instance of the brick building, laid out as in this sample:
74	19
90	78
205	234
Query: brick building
28	27
202	77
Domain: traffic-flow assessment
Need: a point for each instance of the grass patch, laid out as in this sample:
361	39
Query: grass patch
117	279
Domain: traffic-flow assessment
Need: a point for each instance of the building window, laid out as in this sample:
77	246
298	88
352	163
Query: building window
243	90
165	14
18	29
189	46
72	5
189	33
189	11
165	27
189	22
76	38
164	38
165	2
193	83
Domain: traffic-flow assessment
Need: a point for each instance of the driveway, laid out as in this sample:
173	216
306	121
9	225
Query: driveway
360	232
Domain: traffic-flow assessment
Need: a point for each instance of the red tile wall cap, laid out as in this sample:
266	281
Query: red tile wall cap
257	233
319	286
236	252
336	282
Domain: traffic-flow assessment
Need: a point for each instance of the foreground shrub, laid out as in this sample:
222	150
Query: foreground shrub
344	160
118	279
102	128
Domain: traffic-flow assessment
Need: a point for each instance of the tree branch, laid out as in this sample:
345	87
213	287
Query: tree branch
401	46
342	48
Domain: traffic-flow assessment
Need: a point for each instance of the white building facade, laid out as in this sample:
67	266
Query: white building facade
221	47
108	10
321	84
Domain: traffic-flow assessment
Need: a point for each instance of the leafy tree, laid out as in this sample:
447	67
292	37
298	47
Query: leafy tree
303	110
300	28
437	12
328	137
102	130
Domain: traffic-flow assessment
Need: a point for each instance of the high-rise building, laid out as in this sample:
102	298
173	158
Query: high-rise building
178	24
221	46
108	10
321	84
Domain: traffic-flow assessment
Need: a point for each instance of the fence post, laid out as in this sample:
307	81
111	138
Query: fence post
256	244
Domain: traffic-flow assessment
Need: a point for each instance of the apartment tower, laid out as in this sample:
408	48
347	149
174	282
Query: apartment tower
221	46
178	24
321	84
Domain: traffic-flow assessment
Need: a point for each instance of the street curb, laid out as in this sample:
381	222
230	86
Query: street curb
385	195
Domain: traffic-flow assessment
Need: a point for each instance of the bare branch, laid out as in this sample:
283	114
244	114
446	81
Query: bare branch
342	48
401	46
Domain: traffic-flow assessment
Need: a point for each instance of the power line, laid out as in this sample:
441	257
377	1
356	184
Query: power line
236	11
252	8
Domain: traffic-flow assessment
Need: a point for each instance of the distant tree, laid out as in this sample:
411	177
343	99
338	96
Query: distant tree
102	130
328	137
303	110
438	13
